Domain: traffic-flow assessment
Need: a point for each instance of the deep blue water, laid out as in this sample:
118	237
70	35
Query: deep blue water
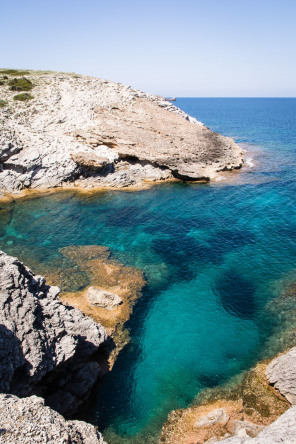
214	256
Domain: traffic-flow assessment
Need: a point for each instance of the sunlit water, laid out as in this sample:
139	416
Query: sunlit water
214	256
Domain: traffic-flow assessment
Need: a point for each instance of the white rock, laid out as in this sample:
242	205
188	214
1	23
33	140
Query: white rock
103	298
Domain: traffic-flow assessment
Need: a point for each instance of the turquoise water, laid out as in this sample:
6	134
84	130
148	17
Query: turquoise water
214	257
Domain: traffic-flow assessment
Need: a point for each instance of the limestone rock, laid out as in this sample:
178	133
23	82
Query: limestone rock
88	132
46	348
215	416
283	431
89	160
245	428
281	372
103	298
28	421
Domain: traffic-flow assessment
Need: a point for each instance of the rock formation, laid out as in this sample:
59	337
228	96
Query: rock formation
281	373
102	298
257	411
46	348
89	132
283	430
28	421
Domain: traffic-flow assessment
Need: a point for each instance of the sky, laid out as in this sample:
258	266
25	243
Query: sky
208	48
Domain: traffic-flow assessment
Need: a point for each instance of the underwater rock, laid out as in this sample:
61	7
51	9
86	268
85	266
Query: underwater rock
28	421
46	348
102	298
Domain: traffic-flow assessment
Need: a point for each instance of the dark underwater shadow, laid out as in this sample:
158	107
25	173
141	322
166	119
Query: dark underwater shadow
236	294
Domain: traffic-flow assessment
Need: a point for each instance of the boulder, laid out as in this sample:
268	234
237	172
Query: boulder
214	417
103	298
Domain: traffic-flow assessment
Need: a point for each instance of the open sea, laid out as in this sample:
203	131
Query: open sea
218	258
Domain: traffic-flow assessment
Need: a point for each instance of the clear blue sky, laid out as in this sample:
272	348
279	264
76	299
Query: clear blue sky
168	47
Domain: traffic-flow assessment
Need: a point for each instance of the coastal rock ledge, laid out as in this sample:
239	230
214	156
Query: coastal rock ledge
91	133
28	421
46	348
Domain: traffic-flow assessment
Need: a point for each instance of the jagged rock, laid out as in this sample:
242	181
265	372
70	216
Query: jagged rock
46	348
283	431
214	417
28	421
72	122
103	298
281	372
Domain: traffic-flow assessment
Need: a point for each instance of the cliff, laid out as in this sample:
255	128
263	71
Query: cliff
81	131
46	348
28	421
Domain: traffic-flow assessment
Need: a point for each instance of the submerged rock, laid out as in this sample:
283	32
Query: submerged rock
46	348
102	298
28	421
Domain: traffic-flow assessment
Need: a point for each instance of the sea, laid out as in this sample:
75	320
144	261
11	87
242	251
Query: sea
218	258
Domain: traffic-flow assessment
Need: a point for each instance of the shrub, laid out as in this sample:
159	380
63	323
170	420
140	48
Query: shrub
14	72
2	103
23	97
22	84
2	82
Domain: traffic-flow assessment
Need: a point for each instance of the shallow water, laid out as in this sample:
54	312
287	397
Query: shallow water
214	256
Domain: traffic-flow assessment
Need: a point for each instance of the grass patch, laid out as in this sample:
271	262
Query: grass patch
24	97
3	103
15	72
22	84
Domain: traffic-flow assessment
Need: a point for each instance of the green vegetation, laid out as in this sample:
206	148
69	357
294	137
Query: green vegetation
23	97
2	103
14	72
22	84
2	82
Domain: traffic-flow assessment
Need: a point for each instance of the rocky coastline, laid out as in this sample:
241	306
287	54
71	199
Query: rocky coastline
89	133
48	350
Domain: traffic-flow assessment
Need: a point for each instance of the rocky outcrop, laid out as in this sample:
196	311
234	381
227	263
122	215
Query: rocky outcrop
281	373
283	430
46	348
28	421
89	132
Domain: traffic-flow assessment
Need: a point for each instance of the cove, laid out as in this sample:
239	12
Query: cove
214	256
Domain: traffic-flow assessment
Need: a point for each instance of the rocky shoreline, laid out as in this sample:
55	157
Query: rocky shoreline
52	355
47	349
84	132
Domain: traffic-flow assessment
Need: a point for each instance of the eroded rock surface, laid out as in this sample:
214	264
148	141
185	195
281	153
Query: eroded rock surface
90	132
283	430
281	373
102	298
28	421
46	348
